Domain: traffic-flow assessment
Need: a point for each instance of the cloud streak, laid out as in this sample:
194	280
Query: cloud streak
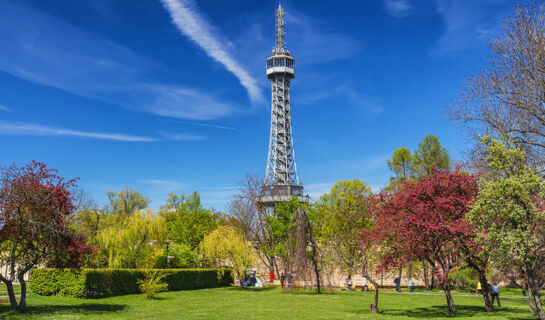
4	108
186	17
39	130
397	8
164	184
181	136
468	23
42	49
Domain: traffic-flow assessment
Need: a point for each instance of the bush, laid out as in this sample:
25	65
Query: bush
152	284
184	257
92	283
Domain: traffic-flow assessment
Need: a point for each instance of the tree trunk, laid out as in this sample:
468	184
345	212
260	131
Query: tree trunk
531	303
374	306
426	279
399	277
534	292
450	302
314	262
22	300
486	292
11	294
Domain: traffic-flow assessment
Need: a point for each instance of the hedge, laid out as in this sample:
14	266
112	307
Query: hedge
93	283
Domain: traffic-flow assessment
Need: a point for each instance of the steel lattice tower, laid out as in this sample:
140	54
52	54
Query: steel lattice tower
281	180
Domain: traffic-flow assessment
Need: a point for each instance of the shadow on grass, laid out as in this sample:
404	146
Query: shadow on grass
251	289
307	291
84	308
441	311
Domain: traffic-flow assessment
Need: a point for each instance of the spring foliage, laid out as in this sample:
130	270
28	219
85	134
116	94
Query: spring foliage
130	244
225	246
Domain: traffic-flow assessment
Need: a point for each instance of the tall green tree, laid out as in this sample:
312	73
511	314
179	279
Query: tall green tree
510	215
188	221
340	215
124	203
401	165
430	155
279	225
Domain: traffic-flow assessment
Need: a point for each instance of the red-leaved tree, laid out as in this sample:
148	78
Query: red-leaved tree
34	206
425	220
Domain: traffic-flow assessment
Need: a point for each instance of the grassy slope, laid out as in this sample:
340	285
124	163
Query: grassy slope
233	303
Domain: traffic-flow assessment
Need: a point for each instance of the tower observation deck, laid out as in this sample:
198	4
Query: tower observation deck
281	180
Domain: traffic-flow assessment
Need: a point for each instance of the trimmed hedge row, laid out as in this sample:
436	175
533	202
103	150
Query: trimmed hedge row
93	283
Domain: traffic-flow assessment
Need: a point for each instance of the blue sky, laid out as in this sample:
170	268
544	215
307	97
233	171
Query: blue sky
171	95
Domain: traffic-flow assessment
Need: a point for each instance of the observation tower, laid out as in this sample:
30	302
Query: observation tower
281	180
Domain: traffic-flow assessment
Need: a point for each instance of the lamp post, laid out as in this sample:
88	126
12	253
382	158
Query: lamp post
168	242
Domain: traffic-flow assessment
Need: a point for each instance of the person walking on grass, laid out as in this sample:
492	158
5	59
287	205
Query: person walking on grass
364	286
411	285
495	293
479	288
524	287
349	284
397	282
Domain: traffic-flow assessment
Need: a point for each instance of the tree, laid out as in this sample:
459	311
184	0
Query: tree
35	205
266	231
340	215
425	220
247	216
125	202
510	215
430	156
133	243
225	246
190	221
401	165
506	97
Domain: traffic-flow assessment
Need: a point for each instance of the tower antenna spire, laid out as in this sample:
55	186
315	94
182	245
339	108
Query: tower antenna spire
280	32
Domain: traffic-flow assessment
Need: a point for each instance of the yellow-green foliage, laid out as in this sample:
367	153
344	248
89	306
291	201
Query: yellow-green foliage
133	242
340	214
226	246
152	284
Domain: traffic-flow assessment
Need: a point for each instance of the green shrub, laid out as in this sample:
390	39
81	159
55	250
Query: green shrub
152	284
183	257
91	283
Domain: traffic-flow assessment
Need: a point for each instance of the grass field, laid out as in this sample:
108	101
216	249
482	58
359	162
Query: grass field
273	303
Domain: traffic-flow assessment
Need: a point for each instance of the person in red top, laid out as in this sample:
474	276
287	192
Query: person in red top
271	277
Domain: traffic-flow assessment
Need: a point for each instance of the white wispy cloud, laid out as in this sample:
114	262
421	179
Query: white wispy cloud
189	20
39	130
308	36
345	92
181	136
164	184
4	108
468	23
398	8
40	48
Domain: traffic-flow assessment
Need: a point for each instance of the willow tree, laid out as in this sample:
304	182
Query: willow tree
134	242
225	246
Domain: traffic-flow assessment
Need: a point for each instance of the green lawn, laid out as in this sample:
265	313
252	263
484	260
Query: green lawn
4	290
234	303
